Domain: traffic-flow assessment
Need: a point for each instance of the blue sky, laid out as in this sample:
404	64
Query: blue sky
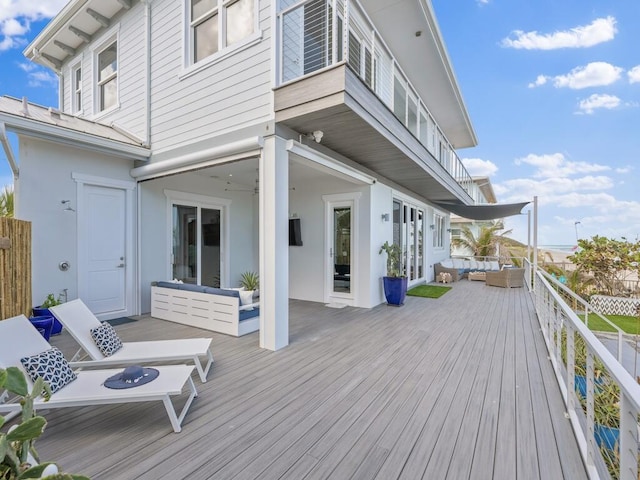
552	88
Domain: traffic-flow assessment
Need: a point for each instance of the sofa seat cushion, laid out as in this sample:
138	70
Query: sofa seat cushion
246	314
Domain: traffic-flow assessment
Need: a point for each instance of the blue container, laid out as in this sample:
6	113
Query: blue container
44	312
43	325
607	437
395	290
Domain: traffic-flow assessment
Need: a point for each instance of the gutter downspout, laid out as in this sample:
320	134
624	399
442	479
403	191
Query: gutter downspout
8	151
60	91
147	86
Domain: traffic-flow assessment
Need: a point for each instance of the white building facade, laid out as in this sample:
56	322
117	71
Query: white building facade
191	134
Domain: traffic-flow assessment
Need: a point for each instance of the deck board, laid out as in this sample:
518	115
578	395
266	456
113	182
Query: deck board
456	387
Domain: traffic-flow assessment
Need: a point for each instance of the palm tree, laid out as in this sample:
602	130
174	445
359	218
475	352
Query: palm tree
486	242
6	202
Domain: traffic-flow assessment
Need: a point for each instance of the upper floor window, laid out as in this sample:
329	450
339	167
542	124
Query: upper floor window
217	24
76	77
108	77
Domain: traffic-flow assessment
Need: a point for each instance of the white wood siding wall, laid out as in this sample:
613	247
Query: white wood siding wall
229	94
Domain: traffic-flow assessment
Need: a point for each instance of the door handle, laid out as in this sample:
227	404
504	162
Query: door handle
121	265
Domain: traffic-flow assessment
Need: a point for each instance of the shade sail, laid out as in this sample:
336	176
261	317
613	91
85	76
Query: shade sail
484	212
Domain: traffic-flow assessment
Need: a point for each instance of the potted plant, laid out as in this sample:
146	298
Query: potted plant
395	283
250	281
43	311
18	457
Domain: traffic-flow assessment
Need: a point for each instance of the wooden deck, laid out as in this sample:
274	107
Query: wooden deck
450	388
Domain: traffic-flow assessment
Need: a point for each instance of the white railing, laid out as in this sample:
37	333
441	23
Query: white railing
599	393
579	304
312	37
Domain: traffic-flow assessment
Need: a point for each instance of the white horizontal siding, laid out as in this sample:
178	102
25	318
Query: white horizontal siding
233	92
131	74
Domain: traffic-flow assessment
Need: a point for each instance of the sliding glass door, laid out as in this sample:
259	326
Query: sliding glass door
196	245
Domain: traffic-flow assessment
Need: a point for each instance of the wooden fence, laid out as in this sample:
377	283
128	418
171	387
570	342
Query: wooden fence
15	267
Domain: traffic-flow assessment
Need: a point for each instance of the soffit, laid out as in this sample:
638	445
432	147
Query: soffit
50	47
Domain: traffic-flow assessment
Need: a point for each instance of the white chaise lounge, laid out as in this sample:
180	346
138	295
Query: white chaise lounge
79	320
18	339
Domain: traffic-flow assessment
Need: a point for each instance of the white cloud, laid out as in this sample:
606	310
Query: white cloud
595	101
541	80
599	31
479	168
595	74
557	166
623	170
42	77
634	74
16	17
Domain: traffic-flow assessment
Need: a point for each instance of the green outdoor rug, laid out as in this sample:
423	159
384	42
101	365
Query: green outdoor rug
428	291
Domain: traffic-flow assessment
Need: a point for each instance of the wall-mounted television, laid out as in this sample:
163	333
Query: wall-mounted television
295	233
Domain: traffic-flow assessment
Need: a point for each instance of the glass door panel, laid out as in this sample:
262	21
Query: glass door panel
196	249
210	250
342	249
411	244
185	266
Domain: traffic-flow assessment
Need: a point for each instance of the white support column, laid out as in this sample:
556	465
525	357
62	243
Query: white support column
274	244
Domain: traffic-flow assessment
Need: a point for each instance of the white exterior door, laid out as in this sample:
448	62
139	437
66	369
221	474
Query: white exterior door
341	278
103	248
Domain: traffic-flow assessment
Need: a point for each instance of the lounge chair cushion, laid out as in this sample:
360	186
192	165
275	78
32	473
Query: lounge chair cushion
106	339
51	366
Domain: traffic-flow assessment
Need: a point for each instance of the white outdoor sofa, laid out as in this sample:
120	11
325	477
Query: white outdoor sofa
210	308
459	268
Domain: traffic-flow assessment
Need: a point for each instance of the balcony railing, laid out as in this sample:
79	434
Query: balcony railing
602	398
313	37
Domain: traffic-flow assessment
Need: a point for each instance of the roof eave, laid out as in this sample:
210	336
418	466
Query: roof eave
61	135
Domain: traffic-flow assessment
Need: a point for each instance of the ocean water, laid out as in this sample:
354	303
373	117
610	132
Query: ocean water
559	248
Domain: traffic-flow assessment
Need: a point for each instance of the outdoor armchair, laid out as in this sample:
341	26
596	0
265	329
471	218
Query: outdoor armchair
506	278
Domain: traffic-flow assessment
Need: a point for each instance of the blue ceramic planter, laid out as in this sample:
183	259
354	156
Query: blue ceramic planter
44	312
395	290
43	325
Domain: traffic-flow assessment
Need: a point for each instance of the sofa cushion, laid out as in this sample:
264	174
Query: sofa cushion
466	264
222	291
481	265
473	264
448	263
246	314
457	263
494	265
190	287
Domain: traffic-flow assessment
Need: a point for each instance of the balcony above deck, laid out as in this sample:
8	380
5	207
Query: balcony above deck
358	125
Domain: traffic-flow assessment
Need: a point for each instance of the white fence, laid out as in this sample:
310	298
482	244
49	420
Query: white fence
615	305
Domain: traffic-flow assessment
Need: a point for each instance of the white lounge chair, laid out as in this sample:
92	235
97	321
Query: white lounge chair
19	339
79	320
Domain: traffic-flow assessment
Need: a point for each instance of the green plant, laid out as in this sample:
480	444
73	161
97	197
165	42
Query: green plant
250	280
50	301
394	259
17	449
7	202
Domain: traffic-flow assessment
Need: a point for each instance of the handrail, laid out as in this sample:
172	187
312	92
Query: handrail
556	318
312	37
587	311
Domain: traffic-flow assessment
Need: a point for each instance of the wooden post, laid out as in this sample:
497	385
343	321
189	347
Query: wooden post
15	267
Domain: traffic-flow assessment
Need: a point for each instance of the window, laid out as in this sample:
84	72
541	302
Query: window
76	79
438	231
108	77
217	24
